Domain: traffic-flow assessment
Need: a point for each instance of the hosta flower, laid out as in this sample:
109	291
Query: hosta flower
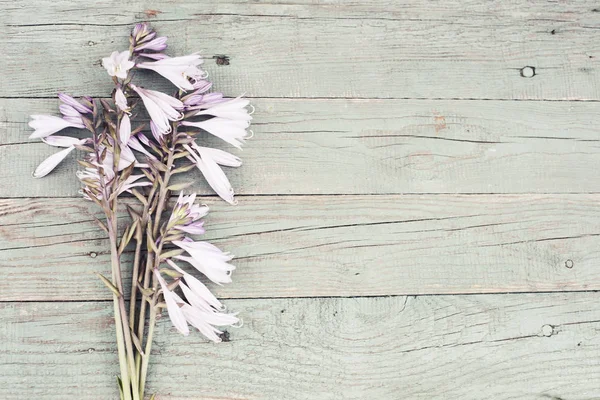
233	132
179	70
195	310
125	129
158	44
207	259
198	98
46	125
52	162
135	144
173	308
213	174
196	293
118	64
121	101
70	114
142	32
186	215
70	101
161	107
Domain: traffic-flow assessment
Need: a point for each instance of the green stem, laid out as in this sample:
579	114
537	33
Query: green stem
151	262
121	350
147	351
134	278
125	331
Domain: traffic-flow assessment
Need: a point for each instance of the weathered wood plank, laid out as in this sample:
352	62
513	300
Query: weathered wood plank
374	49
331	245
375	146
443	347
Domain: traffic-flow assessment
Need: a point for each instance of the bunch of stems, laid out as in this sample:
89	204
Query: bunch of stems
134	341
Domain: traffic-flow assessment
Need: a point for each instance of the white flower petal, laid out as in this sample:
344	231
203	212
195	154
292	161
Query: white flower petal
46	125
62	141
121	100
219	156
51	162
173	309
125	129
214	175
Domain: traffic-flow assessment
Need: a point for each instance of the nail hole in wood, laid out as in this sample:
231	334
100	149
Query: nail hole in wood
547	330
527	72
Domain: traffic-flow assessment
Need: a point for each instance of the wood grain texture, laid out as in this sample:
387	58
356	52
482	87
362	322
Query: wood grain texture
331	245
368	147
370	49
525	347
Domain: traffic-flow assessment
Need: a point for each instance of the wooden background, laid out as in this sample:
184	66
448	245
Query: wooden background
419	218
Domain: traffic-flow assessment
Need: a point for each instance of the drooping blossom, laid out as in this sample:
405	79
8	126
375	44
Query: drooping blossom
161	107
208	259
196	293
46	125
203	318
125	129
135	144
157	44
70	101
52	162
142	32
118	64
186	215
213	174
233	132
233	109
121	101
70	114
174	310
179	70
219	156
199	96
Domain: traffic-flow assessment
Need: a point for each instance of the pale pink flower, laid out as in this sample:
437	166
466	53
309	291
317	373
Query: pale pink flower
118	64
52	162
179	70
154	56
205	321
158	44
131	182
232	131
70	101
219	156
198	99
161	107
233	109
135	144
207	259
201	310
196	293
174	310
186	215
125	129
46	125
213	174
70	114
121	101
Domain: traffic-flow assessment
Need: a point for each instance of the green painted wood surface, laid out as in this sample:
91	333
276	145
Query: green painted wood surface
370	147
331	245
427	347
391	157
376	48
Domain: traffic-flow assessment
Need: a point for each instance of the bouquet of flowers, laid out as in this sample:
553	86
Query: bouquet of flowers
125	155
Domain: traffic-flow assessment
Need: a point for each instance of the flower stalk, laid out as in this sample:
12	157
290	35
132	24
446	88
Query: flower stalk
120	159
